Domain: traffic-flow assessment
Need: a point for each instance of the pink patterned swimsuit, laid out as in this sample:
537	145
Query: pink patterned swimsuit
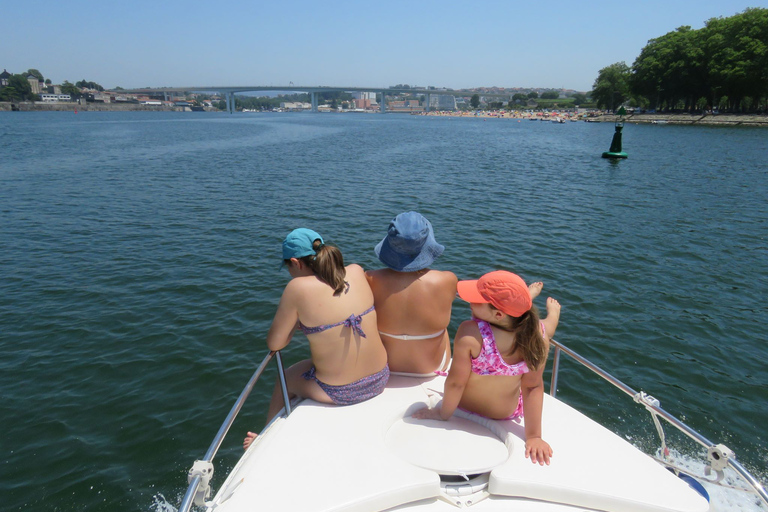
490	362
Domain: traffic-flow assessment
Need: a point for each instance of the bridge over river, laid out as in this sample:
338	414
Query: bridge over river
228	92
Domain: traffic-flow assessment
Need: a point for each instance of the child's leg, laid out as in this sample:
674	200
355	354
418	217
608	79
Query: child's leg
553	317
535	289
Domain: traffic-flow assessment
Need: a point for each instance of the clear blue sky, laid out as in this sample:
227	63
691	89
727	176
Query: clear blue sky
441	43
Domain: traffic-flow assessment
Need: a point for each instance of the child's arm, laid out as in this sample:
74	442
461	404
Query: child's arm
461	367
532	388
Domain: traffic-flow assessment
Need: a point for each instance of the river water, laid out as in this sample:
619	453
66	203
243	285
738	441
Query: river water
139	259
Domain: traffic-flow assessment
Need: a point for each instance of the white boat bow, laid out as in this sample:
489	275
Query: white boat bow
373	456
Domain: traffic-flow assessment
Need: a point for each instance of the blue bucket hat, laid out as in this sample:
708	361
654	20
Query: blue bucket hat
299	242
410	244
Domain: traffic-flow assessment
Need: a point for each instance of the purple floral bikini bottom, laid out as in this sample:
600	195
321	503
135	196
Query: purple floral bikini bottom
354	392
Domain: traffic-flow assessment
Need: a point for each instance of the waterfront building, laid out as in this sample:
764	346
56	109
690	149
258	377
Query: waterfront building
55	98
442	102
34	83
371	96
295	105
4	76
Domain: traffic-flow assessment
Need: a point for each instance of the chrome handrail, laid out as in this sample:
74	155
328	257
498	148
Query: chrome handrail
201	472
721	453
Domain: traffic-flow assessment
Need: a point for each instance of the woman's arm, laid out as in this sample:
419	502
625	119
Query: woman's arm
286	319
457	378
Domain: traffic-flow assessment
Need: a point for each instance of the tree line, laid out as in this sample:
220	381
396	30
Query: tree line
723	65
19	88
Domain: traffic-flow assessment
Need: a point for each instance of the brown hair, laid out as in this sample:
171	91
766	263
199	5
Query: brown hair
328	264
528	337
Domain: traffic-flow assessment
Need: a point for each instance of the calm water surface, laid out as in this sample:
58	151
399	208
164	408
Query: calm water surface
139	272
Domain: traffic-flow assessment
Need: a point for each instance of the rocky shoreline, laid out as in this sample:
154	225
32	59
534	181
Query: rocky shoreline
28	106
678	119
690	119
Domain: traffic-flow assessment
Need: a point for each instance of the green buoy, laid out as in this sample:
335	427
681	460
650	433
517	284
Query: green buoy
615	150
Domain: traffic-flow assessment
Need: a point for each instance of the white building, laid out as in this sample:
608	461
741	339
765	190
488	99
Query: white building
364	96
442	102
55	98
295	105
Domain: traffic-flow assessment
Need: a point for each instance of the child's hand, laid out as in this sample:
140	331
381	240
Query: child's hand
538	450
428	414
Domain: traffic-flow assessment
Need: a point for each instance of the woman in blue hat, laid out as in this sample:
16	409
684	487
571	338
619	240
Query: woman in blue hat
413	302
333	306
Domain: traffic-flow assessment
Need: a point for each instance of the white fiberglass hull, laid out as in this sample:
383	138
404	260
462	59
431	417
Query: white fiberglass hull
373	457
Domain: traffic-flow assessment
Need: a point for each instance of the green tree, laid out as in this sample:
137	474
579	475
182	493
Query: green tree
550	95
672	68
518	96
83	84
737	48
474	101
9	93
579	98
35	73
71	89
611	87
533	95
20	89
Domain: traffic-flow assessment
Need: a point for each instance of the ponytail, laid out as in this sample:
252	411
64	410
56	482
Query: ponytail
528	337
328	264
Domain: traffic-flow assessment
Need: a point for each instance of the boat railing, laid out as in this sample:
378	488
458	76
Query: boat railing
719	456
199	476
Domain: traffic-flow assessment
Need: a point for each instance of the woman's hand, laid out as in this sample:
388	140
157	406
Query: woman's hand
428	414
538	450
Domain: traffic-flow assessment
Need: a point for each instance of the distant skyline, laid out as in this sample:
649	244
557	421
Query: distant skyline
556	44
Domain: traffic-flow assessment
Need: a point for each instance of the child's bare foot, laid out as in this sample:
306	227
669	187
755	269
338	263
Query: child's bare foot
535	289
249	438
553	309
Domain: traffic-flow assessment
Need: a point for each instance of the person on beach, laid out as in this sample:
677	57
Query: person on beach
499	357
413	302
333	306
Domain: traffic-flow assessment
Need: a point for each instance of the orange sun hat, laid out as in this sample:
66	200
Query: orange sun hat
504	290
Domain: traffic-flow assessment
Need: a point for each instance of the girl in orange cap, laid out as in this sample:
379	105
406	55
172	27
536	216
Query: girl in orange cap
499	357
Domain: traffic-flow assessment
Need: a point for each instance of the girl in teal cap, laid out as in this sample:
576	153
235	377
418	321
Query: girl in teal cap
333	306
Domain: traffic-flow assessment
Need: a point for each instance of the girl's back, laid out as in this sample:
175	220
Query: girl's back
493	396
351	349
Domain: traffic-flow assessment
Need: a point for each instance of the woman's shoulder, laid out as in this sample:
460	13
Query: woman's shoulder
355	269
444	276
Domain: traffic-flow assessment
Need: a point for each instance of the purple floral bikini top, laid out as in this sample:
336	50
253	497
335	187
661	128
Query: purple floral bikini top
354	322
489	361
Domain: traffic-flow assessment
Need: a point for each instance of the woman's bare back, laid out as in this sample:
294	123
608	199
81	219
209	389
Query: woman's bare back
414	304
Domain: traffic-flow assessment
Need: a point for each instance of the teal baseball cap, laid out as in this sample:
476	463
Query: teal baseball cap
299	242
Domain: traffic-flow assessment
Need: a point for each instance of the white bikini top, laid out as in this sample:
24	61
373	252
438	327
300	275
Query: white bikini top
408	337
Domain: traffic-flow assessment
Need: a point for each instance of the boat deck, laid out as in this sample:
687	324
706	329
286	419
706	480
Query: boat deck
373	457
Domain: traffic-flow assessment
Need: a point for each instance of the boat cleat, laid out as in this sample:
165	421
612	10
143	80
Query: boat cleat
718	457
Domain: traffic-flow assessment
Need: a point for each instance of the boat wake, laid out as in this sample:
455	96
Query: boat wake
729	494
160	504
